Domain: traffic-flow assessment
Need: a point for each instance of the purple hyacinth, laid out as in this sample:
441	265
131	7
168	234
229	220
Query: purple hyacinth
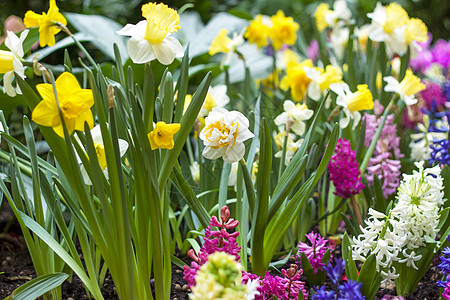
384	163
215	240
313	50
433	92
315	252
344	171
441	53
424	57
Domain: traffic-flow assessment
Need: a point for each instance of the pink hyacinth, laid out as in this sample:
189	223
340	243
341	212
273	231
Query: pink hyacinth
344	171
315	252
384	162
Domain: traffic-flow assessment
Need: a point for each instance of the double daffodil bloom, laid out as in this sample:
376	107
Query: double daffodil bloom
11	61
151	39
407	88
162	135
47	23
283	30
75	104
257	31
223	44
352	103
100	151
224	135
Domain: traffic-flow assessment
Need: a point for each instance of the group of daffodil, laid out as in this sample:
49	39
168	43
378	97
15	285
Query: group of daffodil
149	177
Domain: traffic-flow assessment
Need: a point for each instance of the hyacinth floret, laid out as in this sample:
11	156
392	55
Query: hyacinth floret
315	252
344	171
214	241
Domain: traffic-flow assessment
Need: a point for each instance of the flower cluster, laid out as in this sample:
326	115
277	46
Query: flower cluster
428	58
445	267
398	235
315	252
214	241
349	289
344	172
384	162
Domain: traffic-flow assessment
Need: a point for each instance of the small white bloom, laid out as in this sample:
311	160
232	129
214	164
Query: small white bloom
216	97
340	12
293	116
195	171
252	286
14	44
224	135
410	258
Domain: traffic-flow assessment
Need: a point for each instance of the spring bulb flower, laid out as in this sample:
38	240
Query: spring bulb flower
296	79
294	116
315	252
283	30
407	88
224	135
11	61
321	79
223	44
162	135
151	38
256	32
352	103
325	17
101	155
47	23
75	104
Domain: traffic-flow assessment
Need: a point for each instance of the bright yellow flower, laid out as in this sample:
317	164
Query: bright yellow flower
283	31
416	30
47	23
162	135
331	75
257	32
407	88
75	104
221	43
161	20
6	61
296	79
319	15
362	99
396	17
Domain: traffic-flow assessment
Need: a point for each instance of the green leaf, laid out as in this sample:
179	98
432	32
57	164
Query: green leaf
38	286
350	266
369	277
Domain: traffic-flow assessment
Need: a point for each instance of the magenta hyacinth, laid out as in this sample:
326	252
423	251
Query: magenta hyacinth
315	252
344	171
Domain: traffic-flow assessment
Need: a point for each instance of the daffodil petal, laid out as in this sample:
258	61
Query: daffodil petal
7	78
137	30
140	50
67	82
44	114
46	91
167	50
85	116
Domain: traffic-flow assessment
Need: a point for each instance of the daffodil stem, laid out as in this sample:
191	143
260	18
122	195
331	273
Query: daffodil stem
283	152
356	210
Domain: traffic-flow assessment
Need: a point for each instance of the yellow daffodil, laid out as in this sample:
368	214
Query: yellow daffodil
407	88
47	23
224	135
151	39
75	104
321	79
223	44
321	11
416	30
329	18
11	61
352	103
162	135
283	30
296	79
257	32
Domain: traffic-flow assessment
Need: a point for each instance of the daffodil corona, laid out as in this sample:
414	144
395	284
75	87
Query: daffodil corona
162	135
407	88
47	23
224	135
151	39
75	104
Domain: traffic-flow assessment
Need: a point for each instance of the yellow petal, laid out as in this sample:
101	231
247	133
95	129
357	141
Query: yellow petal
416	30
46	91
31	19
85	116
44	114
6	61
221	43
45	36
54	14
361	99
396	17
319	15
161	20
67	83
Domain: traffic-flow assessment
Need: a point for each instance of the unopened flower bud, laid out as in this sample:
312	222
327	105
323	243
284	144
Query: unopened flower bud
224	213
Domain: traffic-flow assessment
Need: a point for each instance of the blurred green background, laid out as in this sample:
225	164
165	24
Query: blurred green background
435	13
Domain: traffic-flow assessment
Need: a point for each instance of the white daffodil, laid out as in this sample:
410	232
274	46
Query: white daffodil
338	40
352	103
223	44
321	80
11	61
293	116
216	97
224	135
407	88
101	155
340	12
150	39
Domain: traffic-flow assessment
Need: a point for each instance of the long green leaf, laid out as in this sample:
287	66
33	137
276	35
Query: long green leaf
38	286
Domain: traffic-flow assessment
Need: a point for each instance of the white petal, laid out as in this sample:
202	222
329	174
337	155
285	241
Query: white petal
311	73
288	106
314	91
212	153
392	84
96	133
7	78
234	154
356	119
339	88
18	67
123	147
167	50
137	30
299	128
244	135
140	50
281	119
344	122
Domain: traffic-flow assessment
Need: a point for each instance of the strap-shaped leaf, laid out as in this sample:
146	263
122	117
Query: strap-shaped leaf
38	286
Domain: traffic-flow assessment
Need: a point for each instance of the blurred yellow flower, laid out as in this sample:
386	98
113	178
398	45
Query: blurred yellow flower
321	10
223	44
75	104
396	16
416	30
362	99
407	88
257	32
321	79
296	79
162	135
47	23
283	30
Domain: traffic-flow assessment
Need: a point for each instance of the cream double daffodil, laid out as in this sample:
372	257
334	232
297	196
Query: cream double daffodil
224	135
151	38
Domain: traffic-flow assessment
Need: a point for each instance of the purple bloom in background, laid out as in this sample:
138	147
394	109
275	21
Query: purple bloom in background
313	50
344	170
440	152
351	290
424	57
384	162
323	294
315	252
432	92
441	53
335	273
